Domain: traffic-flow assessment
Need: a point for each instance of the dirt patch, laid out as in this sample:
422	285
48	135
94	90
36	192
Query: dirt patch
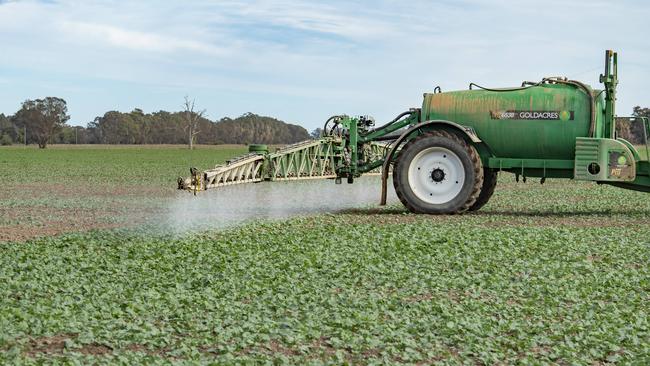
95	349
318	349
453	353
278	348
56	345
323	344
48	345
371	353
160	352
20	233
33	210
419	298
23	223
82	190
137	348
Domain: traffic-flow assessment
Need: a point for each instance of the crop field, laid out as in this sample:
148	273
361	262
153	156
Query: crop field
65	189
90	272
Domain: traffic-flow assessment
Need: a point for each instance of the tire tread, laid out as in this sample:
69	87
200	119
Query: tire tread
476	164
487	190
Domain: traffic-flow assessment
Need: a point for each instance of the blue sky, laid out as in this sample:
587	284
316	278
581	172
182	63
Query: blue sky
302	61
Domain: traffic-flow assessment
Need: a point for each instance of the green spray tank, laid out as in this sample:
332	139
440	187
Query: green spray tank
445	156
539	121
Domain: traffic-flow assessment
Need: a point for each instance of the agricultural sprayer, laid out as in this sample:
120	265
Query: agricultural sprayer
445	156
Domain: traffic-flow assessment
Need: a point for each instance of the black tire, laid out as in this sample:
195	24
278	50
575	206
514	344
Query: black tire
487	190
471	164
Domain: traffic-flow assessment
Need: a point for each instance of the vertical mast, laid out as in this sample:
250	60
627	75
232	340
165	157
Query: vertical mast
610	79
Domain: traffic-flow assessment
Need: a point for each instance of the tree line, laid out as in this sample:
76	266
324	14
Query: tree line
633	131
44	121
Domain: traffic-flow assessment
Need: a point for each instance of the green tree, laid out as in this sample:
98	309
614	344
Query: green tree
6	129
641	112
5	140
42	118
637	128
251	128
113	128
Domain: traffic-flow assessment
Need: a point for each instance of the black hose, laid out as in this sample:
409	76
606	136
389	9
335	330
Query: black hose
326	123
503	90
386	138
399	116
333	130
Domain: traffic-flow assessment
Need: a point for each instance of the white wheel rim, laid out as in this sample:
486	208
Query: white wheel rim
436	175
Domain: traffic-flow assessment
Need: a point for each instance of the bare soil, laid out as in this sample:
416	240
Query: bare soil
56	209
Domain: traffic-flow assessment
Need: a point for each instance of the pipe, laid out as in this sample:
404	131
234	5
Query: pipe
399	116
504	89
387	138
327	122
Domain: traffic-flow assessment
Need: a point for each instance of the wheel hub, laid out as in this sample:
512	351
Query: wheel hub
438	175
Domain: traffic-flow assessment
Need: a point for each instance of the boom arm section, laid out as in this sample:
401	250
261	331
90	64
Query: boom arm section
348	148
312	159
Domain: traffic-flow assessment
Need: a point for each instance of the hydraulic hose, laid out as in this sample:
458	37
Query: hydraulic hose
504	89
387	138
327	122
399	116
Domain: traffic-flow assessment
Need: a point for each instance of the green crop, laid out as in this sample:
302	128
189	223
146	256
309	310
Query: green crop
61	189
299	291
544	274
114	165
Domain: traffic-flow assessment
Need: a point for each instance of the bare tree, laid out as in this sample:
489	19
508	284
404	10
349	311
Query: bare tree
191	119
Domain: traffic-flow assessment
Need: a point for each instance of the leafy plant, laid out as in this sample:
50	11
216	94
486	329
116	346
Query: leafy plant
544	274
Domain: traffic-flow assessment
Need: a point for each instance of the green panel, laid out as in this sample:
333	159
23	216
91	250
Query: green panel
587	153
539	122
643	168
534	167
637	157
604	160
508	163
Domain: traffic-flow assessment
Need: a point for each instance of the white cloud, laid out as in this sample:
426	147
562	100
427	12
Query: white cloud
315	17
134	40
303	60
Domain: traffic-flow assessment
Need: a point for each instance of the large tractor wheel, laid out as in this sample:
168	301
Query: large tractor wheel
487	190
438	173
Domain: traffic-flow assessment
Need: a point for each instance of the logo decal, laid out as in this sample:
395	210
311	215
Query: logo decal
534	115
